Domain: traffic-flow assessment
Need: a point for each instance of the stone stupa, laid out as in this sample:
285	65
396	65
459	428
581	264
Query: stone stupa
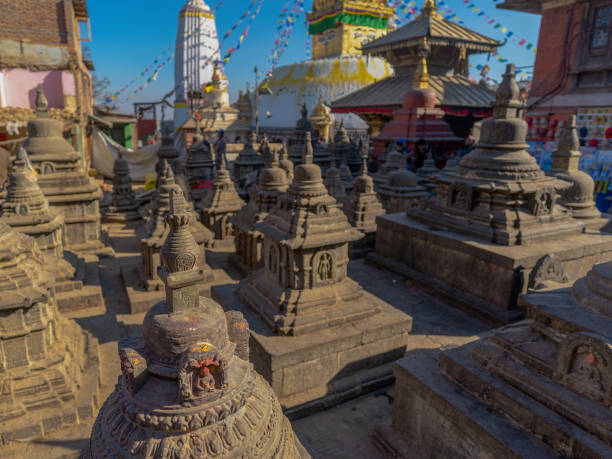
49	366
297	139
579	197
187	388
394	161
402	191
538	388
124	206
265	152
343	151
334	184
26	210
219	204
198	166
494	221
361	208
63	181
142	281
285	163
318	336
264	197
167	152
248	159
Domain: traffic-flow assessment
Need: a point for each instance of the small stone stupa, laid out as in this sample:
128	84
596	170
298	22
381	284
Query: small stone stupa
198	166
145	274
334	184
63	181
306	314
124	206
361	208
402	191
49	366
265	152
248	160
187	388
296	143
264	197
167	152
219	204
579	197
343	151
394	161
493	221
26	210
539	388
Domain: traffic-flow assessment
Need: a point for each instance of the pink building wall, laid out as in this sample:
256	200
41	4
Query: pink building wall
19	87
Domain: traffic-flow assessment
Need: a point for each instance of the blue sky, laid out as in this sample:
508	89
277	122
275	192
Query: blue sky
127	35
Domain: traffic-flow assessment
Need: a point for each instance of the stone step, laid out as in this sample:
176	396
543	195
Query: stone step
530	412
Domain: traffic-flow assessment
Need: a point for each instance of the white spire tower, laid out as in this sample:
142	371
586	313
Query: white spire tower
197	50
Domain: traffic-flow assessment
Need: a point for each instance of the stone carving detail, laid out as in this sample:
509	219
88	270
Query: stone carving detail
199	374
273	262
325	268
585	366
542	201
549	268
461	196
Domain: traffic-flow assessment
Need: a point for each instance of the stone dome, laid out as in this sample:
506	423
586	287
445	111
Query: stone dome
273	177
402	179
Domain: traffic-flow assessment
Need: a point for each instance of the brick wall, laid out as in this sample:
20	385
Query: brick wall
550	67
35	21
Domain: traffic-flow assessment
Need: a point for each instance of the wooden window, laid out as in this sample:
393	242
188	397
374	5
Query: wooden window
602	23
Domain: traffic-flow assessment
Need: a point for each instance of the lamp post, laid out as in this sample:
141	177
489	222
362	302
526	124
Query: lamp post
256	103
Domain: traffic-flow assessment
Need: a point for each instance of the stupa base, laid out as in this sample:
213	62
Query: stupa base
242	267
117	216
94	247
317	370
360	248
483	278
84	290
139	298
433	418
50	407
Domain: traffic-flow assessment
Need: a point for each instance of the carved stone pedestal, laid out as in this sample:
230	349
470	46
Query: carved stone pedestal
538	388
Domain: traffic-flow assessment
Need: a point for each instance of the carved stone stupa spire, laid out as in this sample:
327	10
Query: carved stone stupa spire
187	388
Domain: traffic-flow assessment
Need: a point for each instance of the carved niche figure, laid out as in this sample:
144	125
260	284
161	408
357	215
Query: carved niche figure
543	201
460	196
200	373
324	268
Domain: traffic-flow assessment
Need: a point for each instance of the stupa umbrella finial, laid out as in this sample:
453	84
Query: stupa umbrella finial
308	154
421	74
568	140
363	151
41	102
507	97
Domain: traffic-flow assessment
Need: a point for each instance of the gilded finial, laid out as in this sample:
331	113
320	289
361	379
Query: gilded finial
421	74
429	10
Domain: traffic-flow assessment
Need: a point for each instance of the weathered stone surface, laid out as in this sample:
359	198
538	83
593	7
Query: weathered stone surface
550	375
264	198
334	184
494	217
392	161
124	207
219	204
187	387
361	208
62	179
318	336
26	210
343	151
49	369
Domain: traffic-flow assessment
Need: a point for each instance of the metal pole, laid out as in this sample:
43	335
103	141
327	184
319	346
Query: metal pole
256	104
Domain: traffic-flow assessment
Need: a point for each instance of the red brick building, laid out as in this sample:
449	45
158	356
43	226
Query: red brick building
573	67
40	43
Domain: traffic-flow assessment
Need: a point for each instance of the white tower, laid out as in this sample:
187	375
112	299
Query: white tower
197	50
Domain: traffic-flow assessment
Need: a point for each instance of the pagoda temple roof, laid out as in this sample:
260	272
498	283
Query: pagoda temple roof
386	95
437	30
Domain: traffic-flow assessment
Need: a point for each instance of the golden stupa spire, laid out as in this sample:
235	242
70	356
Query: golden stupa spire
429	10
421	74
